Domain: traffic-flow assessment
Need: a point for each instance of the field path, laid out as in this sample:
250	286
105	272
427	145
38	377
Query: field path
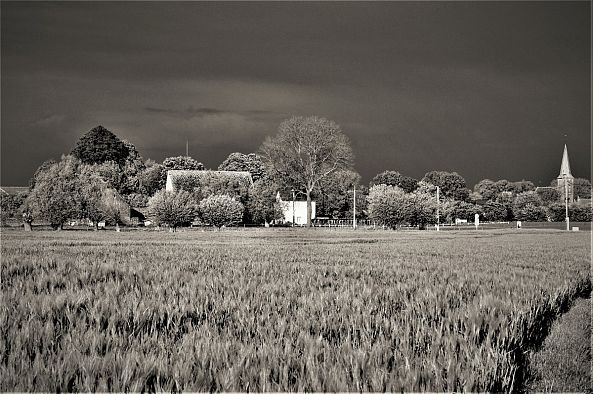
564	362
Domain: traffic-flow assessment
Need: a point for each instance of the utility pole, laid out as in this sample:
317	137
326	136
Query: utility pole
186	148
566	190
438	212
354	206
293	207
566	203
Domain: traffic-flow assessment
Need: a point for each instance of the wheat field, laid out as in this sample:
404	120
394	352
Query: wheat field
282	310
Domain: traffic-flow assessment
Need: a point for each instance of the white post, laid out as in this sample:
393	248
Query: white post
354	214
438	213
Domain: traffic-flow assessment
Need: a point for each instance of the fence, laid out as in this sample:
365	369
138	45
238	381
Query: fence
342	223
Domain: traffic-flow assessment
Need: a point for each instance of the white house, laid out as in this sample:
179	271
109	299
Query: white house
300	211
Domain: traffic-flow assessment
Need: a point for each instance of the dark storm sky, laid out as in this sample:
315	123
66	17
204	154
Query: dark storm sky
484	89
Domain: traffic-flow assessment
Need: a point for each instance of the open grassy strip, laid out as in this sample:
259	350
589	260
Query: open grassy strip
281	310
563	364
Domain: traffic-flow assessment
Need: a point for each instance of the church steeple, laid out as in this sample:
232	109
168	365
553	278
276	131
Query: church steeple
565	166
565	179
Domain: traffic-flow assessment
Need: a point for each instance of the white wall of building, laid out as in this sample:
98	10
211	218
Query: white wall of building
300	211
169	184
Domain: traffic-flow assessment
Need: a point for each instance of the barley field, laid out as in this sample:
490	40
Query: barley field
282	310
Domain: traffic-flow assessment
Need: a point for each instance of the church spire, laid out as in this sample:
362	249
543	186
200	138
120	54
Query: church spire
565	166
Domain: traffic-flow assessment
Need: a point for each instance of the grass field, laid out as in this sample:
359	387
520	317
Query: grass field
281	310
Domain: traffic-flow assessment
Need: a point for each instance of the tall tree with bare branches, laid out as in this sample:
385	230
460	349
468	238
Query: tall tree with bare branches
305	151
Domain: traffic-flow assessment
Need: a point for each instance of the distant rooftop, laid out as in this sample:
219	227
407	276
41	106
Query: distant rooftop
12	190
172	175
204	172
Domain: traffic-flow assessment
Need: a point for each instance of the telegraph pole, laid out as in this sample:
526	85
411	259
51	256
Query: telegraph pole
187	148
566	190
292	207
566	203
438	212
354	205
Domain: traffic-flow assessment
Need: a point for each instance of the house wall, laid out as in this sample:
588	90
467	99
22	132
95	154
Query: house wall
169	184
300	211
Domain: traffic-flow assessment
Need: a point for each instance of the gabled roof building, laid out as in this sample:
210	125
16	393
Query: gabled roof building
183	179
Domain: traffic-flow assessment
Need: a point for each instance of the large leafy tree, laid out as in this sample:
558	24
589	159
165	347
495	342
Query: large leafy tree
487	189
465	210
494	211
207	183
42	168
179	163
109	172
576	212
305	151
99	201
334	194
420	209
173	208
452	184
150	179
528	206
548	195
386	205
581	213
10	205
132	169
100	145
182	163
118	162
221	210
57	195
262	206
582	188
531	213
523	186
504	185
394	178
251	163
92	190
526	198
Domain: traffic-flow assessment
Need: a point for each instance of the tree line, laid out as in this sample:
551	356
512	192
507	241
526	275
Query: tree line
309	156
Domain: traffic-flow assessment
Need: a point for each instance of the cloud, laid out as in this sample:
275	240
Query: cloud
202	112
49	120
188	112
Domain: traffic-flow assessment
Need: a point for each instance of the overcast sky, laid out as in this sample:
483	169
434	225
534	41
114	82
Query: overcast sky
485	89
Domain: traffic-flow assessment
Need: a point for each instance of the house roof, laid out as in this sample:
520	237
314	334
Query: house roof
201	173
286	197
13	190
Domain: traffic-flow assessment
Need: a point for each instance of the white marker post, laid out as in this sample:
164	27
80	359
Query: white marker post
476	220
